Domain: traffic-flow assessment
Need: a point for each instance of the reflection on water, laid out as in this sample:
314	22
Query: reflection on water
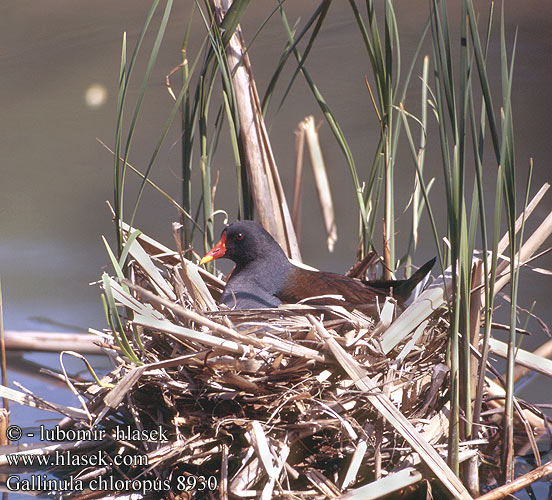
27	369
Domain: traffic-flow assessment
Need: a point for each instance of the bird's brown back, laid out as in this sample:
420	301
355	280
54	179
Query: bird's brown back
302	284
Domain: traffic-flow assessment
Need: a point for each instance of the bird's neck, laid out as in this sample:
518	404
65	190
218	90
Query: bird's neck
272	259
269	272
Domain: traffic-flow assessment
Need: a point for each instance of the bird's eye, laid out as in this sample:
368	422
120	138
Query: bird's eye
239	236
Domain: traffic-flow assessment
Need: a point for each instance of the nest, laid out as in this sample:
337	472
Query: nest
298	402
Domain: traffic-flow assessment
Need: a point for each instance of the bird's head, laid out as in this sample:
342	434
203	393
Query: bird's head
243	242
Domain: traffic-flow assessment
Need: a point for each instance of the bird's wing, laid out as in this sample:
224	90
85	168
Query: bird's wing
302	284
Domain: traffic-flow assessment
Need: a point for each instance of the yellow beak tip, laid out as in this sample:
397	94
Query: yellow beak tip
207	258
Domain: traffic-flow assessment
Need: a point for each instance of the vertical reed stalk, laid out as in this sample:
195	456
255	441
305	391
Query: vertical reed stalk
454	106
297	185
269	198
454	94
124	78
187	125
4	364
417	197
509	180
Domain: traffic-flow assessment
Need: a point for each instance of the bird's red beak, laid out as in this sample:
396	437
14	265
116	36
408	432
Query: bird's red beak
219	250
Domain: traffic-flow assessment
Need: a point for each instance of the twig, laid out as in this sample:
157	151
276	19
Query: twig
519	483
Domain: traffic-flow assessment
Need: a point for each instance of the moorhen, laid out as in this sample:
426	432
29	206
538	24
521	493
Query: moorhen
264	277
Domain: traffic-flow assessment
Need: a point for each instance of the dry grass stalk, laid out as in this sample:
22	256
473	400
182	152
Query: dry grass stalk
471	468
535	362
396	419
497	394
298	184
519	483
504	241
533	243
385	486
429	301
4	423
36	402
266	187
543	352
307	128
54	342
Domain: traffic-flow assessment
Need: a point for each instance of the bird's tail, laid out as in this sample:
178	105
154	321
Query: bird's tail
401	289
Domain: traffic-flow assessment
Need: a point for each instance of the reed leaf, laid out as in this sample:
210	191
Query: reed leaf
115	323
334	126
120	177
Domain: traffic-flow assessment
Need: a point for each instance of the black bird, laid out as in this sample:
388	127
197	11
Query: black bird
264	277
